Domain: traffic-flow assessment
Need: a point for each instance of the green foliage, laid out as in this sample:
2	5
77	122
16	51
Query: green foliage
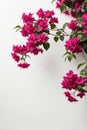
17	27
80	88
53	1
53	26
83	72
69	56
58	33
68	3
46	46
85	7
80	65
78	14
65	25
84	45
61	37
82	36
56	39
63	8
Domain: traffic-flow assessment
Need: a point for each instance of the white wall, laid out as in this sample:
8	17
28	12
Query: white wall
33	99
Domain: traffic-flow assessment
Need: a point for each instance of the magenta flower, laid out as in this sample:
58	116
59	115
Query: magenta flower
53	20
23	65
42	24
73	25
28	18
78	6
15	57
85	32
70	97
81	94
42	38
73	45
28	29
40	13
49	14
70	80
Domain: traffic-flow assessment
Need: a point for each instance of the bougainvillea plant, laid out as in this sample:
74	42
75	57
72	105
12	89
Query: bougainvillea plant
37	30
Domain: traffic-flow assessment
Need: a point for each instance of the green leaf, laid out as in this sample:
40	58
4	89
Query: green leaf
46	46
84	45
85	7
83	72
58	33
80	65
61	38
53	1
73	34
80	88
69	56
53	26
78	14
82	36
66	53
65	25
46	31
74	56
18	27
68	3
56	39
63	8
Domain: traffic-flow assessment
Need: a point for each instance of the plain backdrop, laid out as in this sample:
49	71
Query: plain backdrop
33	99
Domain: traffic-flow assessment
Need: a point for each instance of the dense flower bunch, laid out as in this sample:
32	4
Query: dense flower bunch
37	30
75	8
75	86
77	43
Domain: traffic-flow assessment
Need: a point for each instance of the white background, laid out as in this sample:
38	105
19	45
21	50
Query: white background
33	99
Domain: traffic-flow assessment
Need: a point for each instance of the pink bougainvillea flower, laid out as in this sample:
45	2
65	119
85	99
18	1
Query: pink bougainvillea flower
53	20
42	38
42	24
70	97
28	29
70	80
73	24
23	65
15	57
85	32
78	6
73	45
81	94
66	12
49	14
28	18
40	13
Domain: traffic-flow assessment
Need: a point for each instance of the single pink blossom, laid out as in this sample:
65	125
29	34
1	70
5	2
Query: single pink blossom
28	18
73	24
23	65
15	57
40	13
42	24
81	94
73	45
70	97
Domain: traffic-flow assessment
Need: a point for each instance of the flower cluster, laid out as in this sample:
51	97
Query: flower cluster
77	43
75	86
72	7
73	45
37	31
